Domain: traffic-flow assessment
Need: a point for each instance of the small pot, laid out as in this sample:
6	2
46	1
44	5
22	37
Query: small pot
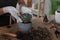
57	16
24	27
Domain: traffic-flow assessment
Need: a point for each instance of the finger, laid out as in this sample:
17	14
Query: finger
15	15
15	10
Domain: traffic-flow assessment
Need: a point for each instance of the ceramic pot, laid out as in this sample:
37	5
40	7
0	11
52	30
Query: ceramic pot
57	16
24	27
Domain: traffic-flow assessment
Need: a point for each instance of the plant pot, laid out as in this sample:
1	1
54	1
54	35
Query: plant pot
57	16
24	27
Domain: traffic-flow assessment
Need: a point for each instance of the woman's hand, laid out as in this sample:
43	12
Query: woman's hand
13	11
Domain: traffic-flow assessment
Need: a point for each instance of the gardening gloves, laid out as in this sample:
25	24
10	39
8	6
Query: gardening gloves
26	10
13	11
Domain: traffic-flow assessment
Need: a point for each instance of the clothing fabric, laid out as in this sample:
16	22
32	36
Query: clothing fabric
4	3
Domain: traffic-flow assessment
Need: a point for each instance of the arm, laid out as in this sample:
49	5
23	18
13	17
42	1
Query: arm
13	11
1	11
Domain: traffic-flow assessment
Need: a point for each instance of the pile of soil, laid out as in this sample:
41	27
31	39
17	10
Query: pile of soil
35	34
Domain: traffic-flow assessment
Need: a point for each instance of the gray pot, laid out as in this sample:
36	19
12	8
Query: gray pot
57	16
24	27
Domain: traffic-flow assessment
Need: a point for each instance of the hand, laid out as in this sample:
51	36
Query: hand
13	11
26	10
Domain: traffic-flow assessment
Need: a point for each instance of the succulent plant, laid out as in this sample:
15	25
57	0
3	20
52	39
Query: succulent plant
26	17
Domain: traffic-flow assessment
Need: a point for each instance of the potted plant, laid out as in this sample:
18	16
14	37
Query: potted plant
26	24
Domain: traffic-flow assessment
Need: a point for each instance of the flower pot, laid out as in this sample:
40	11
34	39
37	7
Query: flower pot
57	16
24	27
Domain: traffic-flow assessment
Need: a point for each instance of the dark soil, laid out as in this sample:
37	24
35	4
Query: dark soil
35	34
